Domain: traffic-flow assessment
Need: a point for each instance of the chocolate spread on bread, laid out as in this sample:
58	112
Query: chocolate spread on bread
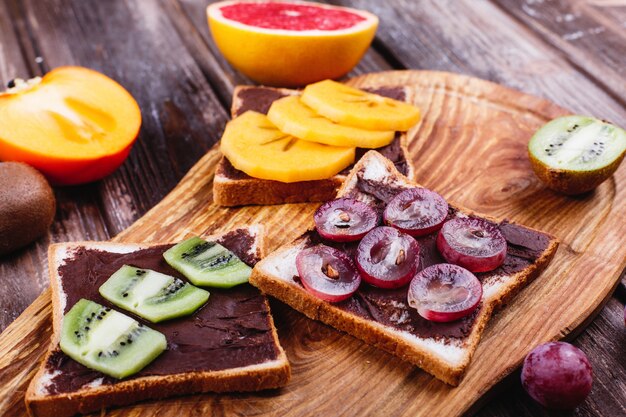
232	330
257	99
390	307
260	99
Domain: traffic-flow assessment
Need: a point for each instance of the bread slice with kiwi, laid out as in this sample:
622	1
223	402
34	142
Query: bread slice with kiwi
232	187
382	317
236	345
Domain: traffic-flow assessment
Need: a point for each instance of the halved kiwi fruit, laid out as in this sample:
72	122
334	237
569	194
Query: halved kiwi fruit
207	263
152	295
575	154
108	341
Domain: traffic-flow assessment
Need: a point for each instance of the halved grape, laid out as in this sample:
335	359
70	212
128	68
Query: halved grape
557	375
444	292
474	244
416	211
327	273
387	258
344	219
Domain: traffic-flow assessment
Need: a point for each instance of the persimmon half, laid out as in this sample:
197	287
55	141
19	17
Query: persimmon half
75	125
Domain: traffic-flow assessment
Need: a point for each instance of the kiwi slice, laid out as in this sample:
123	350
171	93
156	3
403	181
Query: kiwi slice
575	154
152	295
207	263
108	341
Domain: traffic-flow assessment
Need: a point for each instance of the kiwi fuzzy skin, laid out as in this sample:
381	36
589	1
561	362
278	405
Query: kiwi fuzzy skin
572	182
27	206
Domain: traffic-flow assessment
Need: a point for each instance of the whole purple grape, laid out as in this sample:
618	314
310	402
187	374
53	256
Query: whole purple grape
557	375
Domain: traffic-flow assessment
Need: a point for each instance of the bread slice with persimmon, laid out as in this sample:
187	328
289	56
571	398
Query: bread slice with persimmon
234	187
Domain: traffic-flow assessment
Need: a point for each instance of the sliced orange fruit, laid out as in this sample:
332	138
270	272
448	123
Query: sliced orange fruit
292	116
354	107
255	146
290	43
74	125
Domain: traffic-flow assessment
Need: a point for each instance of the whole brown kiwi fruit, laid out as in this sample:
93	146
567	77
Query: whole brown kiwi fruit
27	206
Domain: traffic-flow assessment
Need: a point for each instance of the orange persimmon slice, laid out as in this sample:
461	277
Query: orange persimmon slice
75	125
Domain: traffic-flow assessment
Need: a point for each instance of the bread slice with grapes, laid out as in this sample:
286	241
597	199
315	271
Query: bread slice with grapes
232	187
229	344
382	317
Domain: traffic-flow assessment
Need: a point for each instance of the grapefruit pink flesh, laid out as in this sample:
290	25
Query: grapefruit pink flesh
290	16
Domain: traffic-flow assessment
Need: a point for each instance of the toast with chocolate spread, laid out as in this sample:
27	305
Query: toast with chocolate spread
382	317
232	187
229	344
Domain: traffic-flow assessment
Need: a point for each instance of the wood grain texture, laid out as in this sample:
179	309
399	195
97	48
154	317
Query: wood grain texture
590	33
471	147
12	57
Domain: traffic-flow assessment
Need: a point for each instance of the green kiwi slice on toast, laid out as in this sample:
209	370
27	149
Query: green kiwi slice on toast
575	154
207	263
152	295
108	341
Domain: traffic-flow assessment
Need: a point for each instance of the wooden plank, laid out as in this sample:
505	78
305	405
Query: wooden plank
12	360
591	34
12	57
24	272
321	357
12	63
190	21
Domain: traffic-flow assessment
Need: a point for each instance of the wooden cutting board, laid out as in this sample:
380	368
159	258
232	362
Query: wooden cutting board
471	148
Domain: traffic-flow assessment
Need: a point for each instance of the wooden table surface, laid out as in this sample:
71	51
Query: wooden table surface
572	52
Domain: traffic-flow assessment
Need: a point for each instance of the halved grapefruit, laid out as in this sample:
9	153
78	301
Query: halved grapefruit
289	44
